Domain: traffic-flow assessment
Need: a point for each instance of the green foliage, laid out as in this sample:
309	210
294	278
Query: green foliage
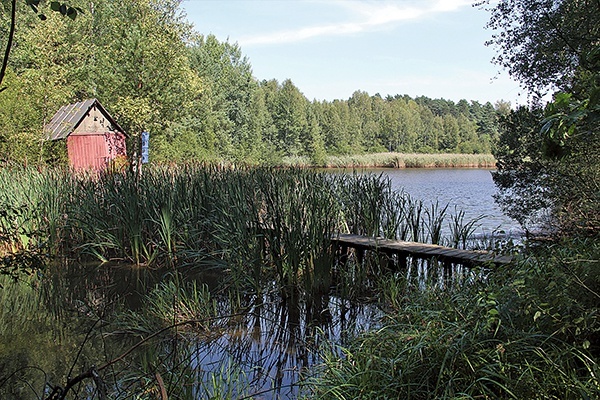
530	332
544	43
22	248
63	8
548	161
197	96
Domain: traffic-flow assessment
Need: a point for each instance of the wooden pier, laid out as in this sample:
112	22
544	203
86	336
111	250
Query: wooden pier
402	249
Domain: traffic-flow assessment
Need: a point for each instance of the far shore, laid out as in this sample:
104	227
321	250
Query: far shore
397	160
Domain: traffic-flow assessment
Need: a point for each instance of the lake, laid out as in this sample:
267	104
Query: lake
469	190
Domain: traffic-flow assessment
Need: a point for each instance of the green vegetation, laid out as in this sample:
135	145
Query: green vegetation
275	220
531	330
397	160
198	98
549	158
264	233
526	331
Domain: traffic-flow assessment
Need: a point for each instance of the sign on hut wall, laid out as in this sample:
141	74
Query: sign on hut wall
93	137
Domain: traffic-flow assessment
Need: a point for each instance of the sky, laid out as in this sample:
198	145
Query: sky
332	48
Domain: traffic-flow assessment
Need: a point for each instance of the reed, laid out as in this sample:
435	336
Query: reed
398	160
171	303
461	231
428	352
258	224
505	334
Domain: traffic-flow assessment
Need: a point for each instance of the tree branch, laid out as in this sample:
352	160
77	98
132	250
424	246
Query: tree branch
11	34
560	35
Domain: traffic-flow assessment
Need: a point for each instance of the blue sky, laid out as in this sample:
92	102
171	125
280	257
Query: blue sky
331	48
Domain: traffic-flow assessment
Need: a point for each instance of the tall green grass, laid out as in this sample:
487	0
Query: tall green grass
528	332
258	224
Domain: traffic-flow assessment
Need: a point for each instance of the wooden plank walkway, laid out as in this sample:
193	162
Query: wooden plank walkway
420	250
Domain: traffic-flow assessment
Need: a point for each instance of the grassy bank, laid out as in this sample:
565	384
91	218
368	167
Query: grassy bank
398	160
527	332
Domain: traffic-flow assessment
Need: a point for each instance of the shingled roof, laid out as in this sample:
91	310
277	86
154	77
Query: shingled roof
66	120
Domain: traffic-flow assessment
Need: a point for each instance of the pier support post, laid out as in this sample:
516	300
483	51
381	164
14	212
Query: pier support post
344	255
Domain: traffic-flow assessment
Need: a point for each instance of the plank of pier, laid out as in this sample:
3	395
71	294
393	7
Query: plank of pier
422	250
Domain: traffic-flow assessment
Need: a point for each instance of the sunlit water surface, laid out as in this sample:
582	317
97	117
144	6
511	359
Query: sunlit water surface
469	190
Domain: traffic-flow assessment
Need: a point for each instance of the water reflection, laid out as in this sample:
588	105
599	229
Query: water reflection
276	342
262	346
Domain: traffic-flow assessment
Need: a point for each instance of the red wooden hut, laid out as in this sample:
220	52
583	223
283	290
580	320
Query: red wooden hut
93	137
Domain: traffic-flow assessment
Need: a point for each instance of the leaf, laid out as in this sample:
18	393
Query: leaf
72	13
537	315
562	99
548	124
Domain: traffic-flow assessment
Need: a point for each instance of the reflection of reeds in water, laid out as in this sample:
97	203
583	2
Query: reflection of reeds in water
259	224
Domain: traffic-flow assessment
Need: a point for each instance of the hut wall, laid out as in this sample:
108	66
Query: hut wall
94	150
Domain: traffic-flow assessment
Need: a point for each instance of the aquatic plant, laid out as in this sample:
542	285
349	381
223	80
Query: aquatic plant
257	224
515	333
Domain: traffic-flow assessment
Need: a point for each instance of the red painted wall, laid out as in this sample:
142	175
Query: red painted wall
94	150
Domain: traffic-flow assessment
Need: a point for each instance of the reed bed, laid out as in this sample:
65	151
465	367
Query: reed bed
266	233
398	160
259	224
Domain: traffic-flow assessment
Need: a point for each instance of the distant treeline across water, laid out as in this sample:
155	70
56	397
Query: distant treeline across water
199	100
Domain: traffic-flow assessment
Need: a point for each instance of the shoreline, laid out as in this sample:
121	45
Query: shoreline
397	161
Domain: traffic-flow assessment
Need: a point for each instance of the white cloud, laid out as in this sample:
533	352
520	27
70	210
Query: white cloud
367	15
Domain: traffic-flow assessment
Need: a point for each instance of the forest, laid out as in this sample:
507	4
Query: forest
200	280
197	96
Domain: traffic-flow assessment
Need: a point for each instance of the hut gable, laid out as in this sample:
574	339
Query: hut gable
96	121
69	120
93	137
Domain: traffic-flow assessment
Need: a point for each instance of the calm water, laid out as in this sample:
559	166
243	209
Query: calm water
469	190
272	342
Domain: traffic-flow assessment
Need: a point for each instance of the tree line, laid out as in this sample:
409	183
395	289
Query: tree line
197	96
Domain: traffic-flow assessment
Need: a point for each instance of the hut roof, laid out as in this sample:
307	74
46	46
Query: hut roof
66	120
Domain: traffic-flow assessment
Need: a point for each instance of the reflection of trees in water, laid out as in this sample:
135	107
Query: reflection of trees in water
277	341
268	347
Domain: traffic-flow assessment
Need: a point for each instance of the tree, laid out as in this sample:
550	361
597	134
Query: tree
38	82
290	118
549	161
543	43
62	8
228	96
